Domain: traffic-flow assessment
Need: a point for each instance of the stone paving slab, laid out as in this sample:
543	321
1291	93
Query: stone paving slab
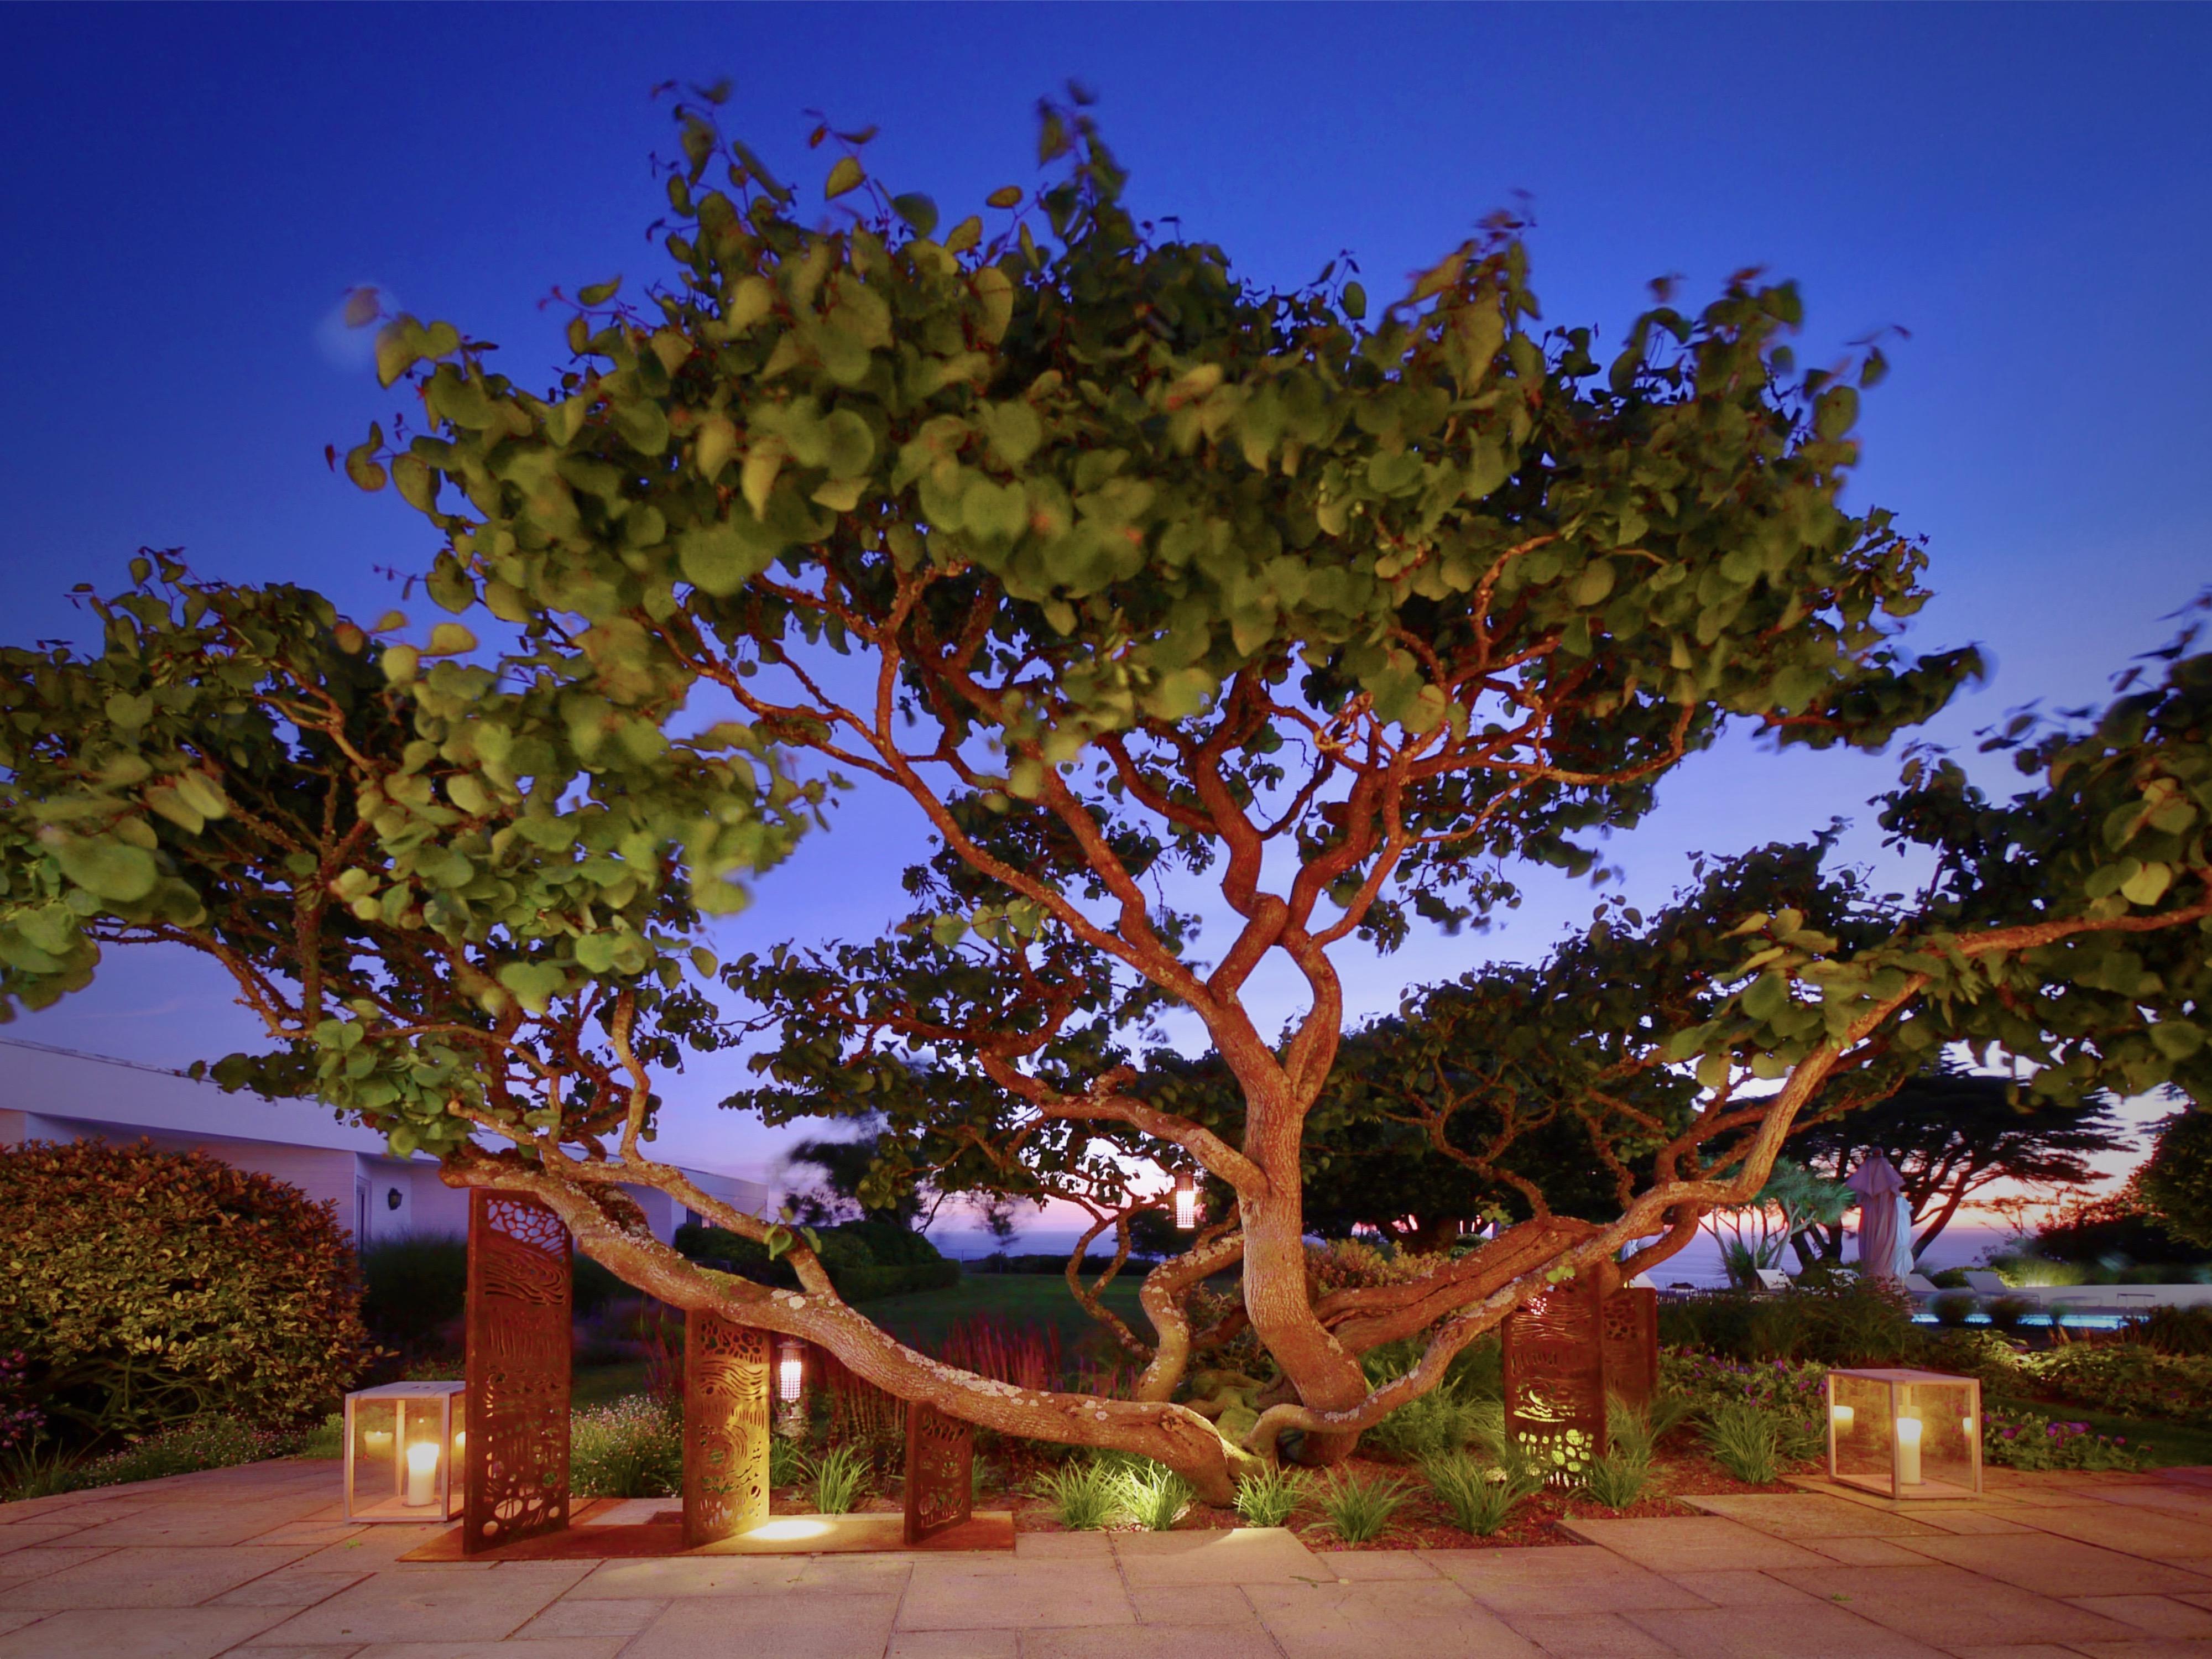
149	1578
2060	1566
1436	1621
1188	1605
2161	1615
1249	1555
1559	1579
827	1625
1692	1546
1589	1636
1035	1596
1950	1607
2160	1535
1812	1630
1799	1515
570	1647
134	1633
1144	1643
956	1643
463	1604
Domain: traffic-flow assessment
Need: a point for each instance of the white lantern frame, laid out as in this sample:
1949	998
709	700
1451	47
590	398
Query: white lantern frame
1912	1422
410	1417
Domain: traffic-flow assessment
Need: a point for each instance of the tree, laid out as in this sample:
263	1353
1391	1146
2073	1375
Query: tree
2175	1184
845	1165
1952	1134
1117	570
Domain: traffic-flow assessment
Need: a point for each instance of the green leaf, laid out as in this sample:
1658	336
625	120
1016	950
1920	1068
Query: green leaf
449	639
108	868
2148	884
847	175
534	984
1007	195
1355	302
918	211
598	293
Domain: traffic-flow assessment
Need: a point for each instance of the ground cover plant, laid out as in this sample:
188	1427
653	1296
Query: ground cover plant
1116	572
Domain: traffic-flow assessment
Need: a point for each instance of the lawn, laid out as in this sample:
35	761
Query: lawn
923	1319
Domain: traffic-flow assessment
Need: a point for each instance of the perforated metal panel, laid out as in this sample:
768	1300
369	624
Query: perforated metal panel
519	1316
940	1458
726	1427
1555	1378
1631	1344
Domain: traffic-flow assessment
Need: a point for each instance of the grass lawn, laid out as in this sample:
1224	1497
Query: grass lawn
596	1385
923	1318
2168	1443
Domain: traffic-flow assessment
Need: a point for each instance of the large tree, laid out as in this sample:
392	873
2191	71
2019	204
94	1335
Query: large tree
1952	1134
1122	571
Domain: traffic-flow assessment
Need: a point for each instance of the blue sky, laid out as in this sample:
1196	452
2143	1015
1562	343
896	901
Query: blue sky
190	192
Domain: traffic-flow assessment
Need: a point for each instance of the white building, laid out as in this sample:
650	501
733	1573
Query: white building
60	1094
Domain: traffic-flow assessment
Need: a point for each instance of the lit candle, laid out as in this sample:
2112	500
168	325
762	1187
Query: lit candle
377	1441
1841	1416
1908	1451
791	1373
422	1474
1186	1203
460	1444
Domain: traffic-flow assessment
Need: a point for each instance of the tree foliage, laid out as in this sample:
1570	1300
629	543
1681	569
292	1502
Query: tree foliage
1124	573
2175	1184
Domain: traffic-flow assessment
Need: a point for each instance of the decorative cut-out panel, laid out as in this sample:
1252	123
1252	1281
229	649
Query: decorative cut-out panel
519	1320
940	1457
726	1427
1555	1378
1631	1345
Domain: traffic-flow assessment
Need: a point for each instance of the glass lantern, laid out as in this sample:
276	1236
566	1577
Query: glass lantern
403	1446
1905	1434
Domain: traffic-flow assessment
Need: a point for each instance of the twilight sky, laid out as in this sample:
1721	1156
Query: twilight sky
189	193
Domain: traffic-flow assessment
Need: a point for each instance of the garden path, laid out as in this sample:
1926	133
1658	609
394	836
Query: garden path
254	1563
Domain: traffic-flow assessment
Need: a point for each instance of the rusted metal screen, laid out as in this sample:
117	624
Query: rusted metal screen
726	1427
1631	1345
519	1316
1555	1378
940	1457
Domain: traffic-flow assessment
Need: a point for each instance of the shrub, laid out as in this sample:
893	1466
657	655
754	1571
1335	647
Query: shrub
2129	1380
1270	1498
1085	1496
1155	1497
1742	1439
143	1287
1480	1500
1792	1398
1357	1508
865	1259
2176	1331
1839	1320
837	1478
786	1461
630	1447
2007	1312
1618	1478
1952	1310
414	1292
2029	1440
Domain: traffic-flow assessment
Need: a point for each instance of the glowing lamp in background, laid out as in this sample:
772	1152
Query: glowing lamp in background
1905	1433
790	1370
403	1449
1186	1203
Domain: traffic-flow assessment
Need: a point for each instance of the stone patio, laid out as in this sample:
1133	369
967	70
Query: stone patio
257	1563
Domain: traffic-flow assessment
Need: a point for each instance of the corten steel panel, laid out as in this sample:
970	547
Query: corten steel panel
519	1317
1555	1378
726	1427
1631	1345
941	1456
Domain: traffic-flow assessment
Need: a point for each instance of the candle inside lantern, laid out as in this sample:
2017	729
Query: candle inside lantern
1186	1203
376	1441
1908	1451
422	1474
791	1373
1841	1416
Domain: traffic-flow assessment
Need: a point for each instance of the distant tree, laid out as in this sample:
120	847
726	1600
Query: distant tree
1952	1134
2176	1185
843	1192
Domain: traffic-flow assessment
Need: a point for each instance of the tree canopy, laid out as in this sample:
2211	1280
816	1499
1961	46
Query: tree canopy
1123	573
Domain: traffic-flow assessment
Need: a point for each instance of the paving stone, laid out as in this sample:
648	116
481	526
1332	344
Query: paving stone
1865	1552
297	1650
2024	1651
19	1618
1589	1636
2142	1532
570	1617
39	1560
192	1526
153	1577
682	1575
1802	1514
1973	1524
819	1625
313	1533
456	1603
1153	1642
1809	1630
25	1534
289	1589
2059	1566
2161	1615
1435	1620
1192	1604
1036	1595
1740	1589
1361	1566
1552	1579
565	1647
2195	1501
1951	1608
1692	1546
1249	1555
379	1546
1063	1547
131	1633
957	1643
2156	1648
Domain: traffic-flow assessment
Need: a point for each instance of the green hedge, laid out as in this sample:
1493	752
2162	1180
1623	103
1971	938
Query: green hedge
145	1288
865	1260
